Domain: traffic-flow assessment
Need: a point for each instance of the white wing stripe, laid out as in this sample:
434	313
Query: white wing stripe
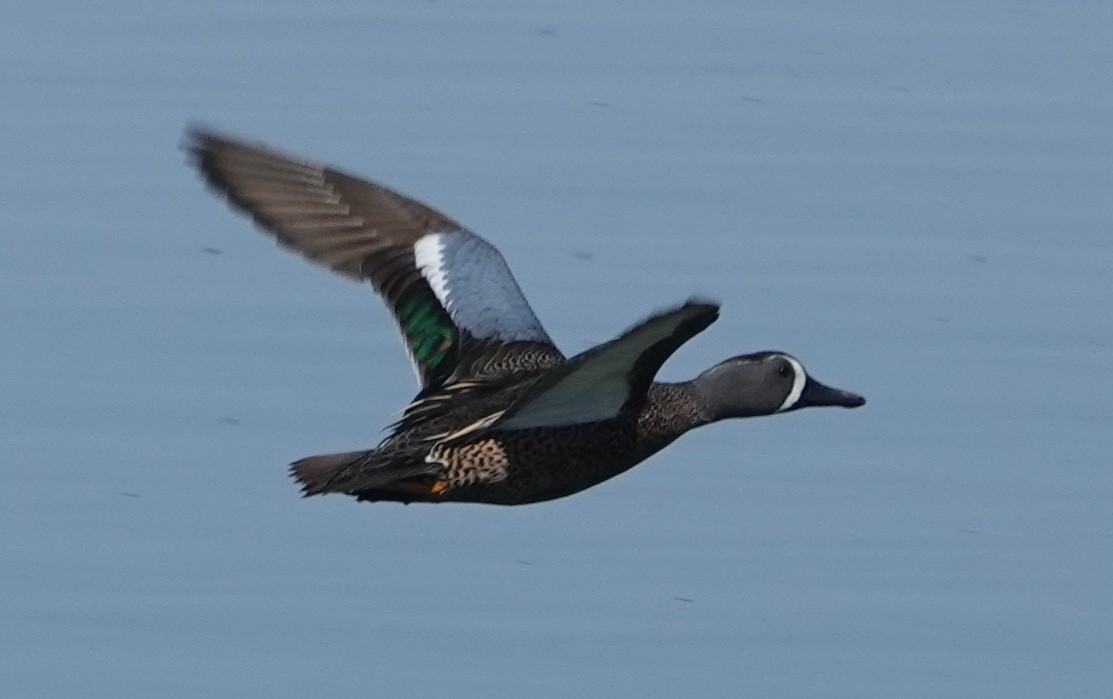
429	257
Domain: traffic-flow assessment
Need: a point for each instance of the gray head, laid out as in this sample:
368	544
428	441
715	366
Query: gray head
762	384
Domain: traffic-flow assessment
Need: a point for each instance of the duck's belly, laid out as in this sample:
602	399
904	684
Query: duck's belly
527	466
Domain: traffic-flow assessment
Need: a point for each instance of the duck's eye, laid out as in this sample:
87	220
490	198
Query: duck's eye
785	371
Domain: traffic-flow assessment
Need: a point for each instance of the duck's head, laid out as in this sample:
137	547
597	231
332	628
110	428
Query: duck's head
764	383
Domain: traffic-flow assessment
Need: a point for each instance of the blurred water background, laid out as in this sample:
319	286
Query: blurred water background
913	198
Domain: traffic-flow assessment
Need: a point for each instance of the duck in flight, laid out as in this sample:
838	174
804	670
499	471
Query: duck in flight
502	416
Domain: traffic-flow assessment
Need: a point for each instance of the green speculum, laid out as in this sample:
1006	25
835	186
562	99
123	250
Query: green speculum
428	331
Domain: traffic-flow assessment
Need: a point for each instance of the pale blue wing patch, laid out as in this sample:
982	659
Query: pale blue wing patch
472	282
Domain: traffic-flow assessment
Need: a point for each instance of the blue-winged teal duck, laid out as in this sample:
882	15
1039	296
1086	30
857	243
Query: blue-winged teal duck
502	416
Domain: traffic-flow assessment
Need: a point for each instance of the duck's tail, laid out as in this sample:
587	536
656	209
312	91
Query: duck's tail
354	472
327	473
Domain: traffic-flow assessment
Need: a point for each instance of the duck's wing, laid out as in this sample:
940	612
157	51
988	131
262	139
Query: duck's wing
604	381
450	292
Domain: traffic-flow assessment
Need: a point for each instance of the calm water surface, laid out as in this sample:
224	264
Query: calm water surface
915	201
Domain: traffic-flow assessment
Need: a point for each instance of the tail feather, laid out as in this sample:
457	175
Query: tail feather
322	474
355	471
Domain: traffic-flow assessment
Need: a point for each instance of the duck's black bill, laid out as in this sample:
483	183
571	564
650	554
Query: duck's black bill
816	394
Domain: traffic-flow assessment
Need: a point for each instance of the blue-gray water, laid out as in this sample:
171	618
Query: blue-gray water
915	199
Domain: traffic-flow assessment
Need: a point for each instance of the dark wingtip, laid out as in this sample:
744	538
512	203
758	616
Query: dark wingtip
705	302
201	145
204	145
701	312
197	139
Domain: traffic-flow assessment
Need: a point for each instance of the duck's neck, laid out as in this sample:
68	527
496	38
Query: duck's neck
671	409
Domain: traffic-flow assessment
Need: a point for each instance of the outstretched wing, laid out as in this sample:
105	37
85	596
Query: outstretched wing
450	292
606	380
